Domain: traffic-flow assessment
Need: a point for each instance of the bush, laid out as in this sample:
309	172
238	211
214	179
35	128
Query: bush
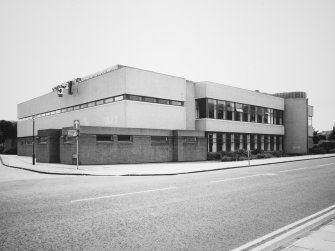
332	150
12	151
319	150
260	156
227	158
327	145
257	151
214	156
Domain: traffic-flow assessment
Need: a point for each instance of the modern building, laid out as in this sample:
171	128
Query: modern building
129	115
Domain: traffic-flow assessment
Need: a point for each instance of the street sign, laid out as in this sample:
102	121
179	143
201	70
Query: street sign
76	124
72	133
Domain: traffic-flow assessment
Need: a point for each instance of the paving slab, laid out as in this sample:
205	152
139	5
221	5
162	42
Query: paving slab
324	235
315	244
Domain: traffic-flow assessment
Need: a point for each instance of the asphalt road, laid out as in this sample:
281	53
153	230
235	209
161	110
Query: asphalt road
217	210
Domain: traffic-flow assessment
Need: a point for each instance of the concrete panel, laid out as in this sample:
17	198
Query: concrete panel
214	125
230	93
147	83
155	116
296	125
112	115
109	84
190	105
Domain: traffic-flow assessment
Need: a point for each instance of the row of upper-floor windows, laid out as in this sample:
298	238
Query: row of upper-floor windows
236	141
220	109
107	101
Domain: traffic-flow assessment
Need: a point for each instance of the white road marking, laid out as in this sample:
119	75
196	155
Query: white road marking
327	164
244	177
286	228
302	168
124	194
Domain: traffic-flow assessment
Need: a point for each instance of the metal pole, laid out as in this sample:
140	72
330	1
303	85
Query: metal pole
248	157
77	151
33	140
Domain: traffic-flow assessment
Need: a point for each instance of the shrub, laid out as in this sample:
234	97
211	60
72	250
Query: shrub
257	151
213	156
12	151
332	150
260	156
319	150
227	158
327	145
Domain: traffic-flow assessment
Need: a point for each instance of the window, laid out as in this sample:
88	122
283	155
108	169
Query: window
221	109
239	112
163	101
252	113
118	98
70	109
76	107
271	116
173	102
99	102
267	116
310	121
83	106
47	114
259	142
228	142
57	111
159	139
90	104
280	117
190	140
52	113
237	140
124	138
260	114
212	108
202	107
271	143
150	100
230	110
134	97
245	141
253	141
67	139
266	143
219	141
109	100
210	142
104	138
246	113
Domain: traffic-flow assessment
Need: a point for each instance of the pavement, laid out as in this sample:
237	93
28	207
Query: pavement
322	239
144	169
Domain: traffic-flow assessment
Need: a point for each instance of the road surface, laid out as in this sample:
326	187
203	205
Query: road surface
218	210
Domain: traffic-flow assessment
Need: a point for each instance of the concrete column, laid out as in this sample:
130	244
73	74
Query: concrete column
275	143
224	142
232	147
262	144
214	143
241	141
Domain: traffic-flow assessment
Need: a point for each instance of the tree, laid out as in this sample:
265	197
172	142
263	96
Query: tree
332	134
8	130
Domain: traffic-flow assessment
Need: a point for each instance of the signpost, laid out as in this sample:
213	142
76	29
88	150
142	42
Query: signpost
75	133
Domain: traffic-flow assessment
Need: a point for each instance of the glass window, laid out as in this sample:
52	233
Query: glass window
266	143
134	97
239	112
252	142
210	142
219	141
90	104
104	137
118	98
272	142
259	142
173	102
266	115
109	100
190	139
221	109
228	142
163	101
76	107
149	99
47	114
310	121
127	138
271	116
252	113
52	113
159	139
245	141
280	117
58	111
70	109
275	117
83	106
230	110
99	102
260	114
246	113
202	107
212	108
237	140
42	140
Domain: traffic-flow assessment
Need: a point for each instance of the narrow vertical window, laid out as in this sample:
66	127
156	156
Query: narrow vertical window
212	108
221	107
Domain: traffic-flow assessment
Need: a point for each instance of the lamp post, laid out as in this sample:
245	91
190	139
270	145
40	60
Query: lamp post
33	140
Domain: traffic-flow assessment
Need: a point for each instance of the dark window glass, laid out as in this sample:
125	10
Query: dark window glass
202	107
266	143
245	141
118	98
210	142
259	142
159	139
221	109
271	116
83	106
260	114
212	108
275	117
219	142
99	102
237	141
173	102
90	104
109	100
239	112
134	97
230	110
104	138
246	113
252	142
64	110
150	100
266	116
228	142
76	107
127	138
163	101
252	113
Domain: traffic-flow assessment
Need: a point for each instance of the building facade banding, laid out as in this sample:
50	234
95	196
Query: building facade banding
129	115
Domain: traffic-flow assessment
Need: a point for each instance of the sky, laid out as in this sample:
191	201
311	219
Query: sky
271	46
